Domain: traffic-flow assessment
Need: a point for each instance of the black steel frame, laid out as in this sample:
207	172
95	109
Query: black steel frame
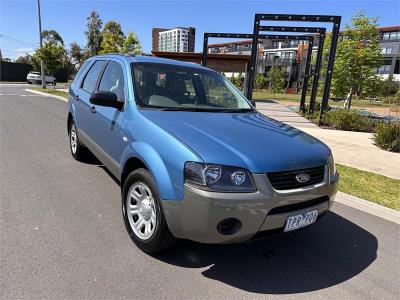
298	18
309	38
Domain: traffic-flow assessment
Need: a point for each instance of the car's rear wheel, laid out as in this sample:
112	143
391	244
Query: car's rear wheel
77	150
142	212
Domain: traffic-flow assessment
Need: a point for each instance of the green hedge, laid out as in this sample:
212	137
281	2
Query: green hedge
387	136
344	119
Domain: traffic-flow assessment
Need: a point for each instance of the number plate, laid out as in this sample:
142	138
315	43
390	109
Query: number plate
301	220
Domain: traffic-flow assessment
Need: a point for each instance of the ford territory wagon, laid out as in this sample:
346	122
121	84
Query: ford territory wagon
194	158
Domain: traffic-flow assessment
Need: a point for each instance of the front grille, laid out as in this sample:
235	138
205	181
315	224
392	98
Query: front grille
297	206
288	181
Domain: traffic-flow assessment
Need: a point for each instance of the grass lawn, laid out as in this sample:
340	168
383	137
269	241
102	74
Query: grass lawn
263	95
53	92
373	187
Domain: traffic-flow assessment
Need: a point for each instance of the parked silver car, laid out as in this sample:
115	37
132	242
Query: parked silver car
35	77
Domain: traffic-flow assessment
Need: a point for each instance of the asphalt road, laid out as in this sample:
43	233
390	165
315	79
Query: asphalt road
62	234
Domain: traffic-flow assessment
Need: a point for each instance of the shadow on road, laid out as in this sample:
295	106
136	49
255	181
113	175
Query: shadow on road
330	252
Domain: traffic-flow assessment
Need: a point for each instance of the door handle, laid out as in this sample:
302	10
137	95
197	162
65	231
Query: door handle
93	109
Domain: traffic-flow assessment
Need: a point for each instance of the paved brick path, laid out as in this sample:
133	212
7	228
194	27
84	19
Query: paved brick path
355	149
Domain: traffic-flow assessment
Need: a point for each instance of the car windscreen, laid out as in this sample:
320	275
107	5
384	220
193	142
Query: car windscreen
172	87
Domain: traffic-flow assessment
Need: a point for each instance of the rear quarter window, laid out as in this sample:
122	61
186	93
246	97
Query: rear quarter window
82	70
90	81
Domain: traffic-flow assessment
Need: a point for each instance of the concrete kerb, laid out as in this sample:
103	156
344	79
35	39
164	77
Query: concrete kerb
47	95
368	207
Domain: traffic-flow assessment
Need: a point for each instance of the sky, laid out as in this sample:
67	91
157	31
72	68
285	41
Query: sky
19	18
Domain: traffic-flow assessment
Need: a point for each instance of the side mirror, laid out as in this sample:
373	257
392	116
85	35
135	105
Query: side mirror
108	99
253	102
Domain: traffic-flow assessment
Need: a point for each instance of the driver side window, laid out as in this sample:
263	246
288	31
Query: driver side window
113	80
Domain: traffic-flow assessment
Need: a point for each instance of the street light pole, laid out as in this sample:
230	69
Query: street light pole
40	36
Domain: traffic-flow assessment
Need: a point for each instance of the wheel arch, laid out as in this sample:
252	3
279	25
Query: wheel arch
69	120
131	164
140	154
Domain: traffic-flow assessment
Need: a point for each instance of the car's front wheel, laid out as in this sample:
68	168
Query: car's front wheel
142	212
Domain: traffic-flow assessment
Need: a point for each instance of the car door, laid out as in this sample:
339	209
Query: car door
83	106
108	120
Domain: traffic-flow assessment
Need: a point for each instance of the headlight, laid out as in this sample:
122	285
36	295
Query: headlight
219	178
331	166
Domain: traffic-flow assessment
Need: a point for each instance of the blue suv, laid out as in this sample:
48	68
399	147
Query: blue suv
194	157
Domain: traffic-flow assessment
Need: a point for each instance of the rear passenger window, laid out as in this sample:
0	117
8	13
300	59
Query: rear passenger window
113	80
89	84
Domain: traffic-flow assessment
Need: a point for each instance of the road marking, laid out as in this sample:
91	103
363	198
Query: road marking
19	95
368	207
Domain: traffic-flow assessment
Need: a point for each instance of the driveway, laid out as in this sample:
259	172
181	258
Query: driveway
62	234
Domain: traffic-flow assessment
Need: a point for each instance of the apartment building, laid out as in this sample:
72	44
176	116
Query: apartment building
286	54
291	55
390	44
179	39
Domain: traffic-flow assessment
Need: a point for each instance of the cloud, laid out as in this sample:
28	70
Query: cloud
23	50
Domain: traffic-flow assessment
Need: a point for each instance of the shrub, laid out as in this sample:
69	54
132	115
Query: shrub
238	80
261	81
387	136
350	120
315	116
392	100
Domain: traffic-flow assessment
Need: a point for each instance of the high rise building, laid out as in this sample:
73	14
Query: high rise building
179	39
155	37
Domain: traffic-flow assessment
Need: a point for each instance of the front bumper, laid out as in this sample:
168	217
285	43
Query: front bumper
198	215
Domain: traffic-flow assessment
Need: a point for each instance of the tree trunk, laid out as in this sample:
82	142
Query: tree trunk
347	101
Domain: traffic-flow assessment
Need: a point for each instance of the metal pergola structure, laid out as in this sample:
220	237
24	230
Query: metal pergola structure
321	31
309	38
335	20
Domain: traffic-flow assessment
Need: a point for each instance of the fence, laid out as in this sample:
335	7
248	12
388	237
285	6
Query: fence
10	71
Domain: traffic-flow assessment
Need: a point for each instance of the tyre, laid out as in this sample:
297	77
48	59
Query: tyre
143	215
78	151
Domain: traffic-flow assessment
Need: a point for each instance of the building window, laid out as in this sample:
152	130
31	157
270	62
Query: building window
385	69
387	50
275	45
395	35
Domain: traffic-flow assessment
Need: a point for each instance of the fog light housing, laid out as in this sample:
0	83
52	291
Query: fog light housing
229	226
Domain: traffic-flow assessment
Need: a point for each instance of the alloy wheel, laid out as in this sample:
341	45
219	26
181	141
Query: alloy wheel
141	210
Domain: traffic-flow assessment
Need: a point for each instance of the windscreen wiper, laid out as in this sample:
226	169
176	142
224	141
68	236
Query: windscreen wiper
235	110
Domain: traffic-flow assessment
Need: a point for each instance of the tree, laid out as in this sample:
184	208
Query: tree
131	44
24	59
52	36
358	55
76	53
93	33
113	39
240	81
277	79
372	85
261	81
52	56
389	87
